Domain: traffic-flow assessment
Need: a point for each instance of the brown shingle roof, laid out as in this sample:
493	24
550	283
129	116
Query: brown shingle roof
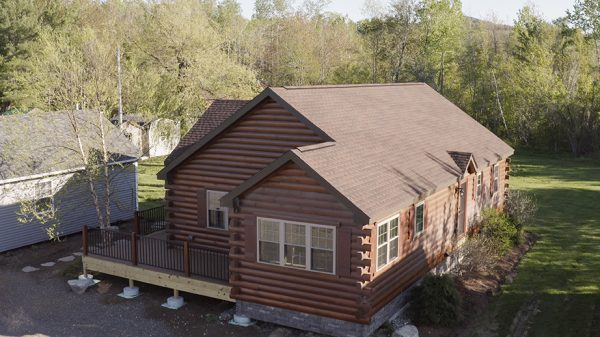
392	142
216	113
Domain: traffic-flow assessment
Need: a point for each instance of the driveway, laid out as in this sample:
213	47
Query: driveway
41	303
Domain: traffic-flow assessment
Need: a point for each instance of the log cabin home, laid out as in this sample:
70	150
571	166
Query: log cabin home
331	201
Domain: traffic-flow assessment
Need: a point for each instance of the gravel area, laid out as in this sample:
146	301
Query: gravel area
41	303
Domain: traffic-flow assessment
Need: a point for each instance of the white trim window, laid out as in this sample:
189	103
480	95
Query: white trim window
387	241
43	197
216	215
419	218
296	245
479	180
496	174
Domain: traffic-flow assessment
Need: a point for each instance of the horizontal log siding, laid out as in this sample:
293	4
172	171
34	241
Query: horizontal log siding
237	154
417	254
290	194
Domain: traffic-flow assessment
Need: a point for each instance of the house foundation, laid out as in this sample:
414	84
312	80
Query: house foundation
335	327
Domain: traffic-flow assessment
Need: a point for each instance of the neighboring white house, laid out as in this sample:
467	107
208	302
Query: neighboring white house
41	173
155	137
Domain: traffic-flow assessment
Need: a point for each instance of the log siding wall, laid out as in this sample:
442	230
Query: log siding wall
249	145
291	194
418	254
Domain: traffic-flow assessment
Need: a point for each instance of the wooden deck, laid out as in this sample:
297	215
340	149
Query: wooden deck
156	276
153	259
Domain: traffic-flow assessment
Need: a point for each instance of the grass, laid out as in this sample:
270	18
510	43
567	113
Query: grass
151	191
562	271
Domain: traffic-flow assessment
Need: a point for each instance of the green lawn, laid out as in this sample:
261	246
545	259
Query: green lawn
562	271
151	191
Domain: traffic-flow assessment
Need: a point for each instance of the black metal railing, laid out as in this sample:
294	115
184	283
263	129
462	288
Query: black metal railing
136	249
150	220
160	253
109	243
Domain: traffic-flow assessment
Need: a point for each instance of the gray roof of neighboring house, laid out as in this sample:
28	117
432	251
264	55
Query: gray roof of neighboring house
45	142
391	144
216	113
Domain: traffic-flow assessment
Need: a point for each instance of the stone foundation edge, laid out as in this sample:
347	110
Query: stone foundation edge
332	326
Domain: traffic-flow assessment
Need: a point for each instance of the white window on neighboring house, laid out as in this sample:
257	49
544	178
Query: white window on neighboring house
44	197
419	218
479	179
387	241
496	174
217	215
297	245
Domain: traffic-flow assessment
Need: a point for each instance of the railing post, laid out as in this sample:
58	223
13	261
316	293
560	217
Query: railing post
134	255
85	240
136	222
186	258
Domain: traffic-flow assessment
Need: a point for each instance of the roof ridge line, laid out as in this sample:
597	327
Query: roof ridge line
312	147
346	86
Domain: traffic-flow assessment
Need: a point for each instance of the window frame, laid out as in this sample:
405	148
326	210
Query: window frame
418	233
387	241
479	180
226	209
496	180
308	244
37	197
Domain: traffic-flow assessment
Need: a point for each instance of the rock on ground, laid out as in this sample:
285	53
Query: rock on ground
29	269
406	331
48	264
67	258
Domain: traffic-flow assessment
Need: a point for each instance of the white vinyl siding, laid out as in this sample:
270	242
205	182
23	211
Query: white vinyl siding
217	216
44	197
296	245
387	241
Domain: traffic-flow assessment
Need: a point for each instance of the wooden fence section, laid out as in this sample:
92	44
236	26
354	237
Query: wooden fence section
135	249
150	220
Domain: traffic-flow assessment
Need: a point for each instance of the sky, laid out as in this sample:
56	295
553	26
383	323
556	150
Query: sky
504	10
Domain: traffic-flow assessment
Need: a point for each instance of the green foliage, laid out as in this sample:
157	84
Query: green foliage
497	227
533	83
436	301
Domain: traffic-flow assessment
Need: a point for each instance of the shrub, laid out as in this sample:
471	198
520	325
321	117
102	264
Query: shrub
478	253
497	227
521	209
436	301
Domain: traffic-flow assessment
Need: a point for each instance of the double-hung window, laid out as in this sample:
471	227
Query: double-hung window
296	245
496	173
217	216
479	178
387	241
44	199
419	218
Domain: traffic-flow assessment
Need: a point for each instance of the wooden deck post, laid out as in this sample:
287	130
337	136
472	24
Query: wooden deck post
136	223
85	240
186	258
134	254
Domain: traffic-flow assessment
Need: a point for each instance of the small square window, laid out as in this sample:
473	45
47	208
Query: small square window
217	215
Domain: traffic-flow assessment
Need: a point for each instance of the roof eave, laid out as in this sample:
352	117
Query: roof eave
359	215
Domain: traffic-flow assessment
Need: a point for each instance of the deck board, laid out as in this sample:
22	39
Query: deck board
159	277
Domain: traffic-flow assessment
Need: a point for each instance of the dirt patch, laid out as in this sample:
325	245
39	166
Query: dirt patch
477	289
